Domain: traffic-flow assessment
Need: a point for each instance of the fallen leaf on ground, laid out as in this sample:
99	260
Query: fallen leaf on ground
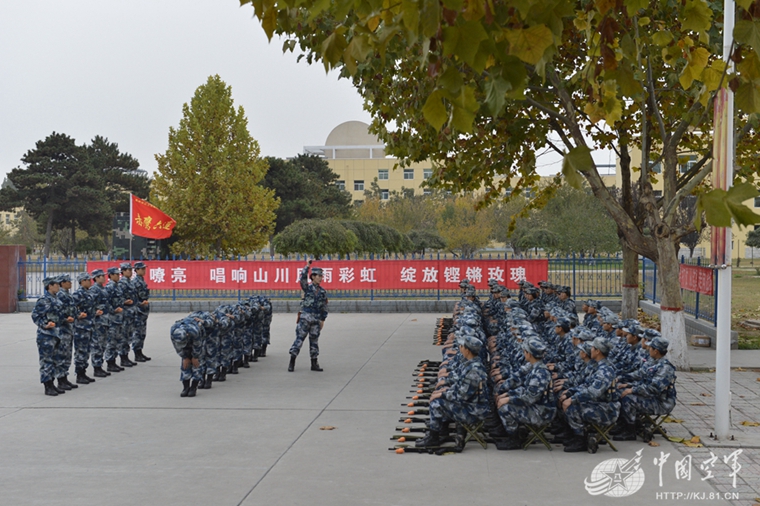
676	439
693	445
327	427
654	443
695	439
750	424
740	369
414	320
698	404
705	394
670	419
757	379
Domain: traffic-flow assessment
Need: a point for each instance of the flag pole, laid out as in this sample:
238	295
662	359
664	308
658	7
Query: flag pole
131	221
723	175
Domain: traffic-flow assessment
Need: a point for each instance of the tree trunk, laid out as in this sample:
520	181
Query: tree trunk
48	234
673	324
73	241
630	305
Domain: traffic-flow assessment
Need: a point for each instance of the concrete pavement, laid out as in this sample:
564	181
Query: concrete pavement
256	439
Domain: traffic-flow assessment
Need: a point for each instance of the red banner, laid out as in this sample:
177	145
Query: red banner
338	274
696	279
146	220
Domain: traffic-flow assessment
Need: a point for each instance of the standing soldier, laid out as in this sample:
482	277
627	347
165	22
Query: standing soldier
46	316
130	313
102	306
65	333
142	310
266	305
84	299
311	317
116	329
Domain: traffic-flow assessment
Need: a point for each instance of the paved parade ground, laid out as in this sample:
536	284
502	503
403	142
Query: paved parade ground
255	439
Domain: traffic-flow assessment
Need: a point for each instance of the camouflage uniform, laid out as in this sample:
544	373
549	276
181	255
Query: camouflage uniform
66	333
102	323
116	336
142	293
85	300
130	312
654	391
466	401
532	403
313	312
47	309
595	401
187	337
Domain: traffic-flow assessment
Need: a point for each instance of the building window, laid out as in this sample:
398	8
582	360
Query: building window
384	195
757	201
341	184
359	186
7	218
657	168
409	192
690	162
427	173
382	173
408	173
657	193
426	191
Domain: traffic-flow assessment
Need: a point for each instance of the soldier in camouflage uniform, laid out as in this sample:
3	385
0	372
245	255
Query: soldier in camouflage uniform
65	333
311	317
465	401
565	301
84	299
595	401
266	324
116	334
187	337
130	313
532	402
142	310
46	315
102	322
652	390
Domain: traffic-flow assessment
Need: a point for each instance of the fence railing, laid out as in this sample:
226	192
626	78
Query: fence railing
598	277
699	305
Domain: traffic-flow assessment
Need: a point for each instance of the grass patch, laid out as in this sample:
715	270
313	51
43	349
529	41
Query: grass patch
745	305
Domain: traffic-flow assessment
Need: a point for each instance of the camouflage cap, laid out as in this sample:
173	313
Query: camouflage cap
610	318
140	265
464	283
652	334
534	346
660	344
564	323
470	291
83	276
64	278
585	346
602	344
317	271
51	280
113	270
471	343
97	272
125	266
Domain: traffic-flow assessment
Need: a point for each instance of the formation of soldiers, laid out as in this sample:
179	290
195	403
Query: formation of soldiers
220	342
529	361
97	323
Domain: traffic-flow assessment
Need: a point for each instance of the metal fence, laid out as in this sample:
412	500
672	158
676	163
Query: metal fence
699	305
599	277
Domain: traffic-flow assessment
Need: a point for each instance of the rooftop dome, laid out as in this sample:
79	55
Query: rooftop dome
353	133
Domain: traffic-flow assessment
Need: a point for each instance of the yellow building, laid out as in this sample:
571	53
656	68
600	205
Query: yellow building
358	158
739	235
8	220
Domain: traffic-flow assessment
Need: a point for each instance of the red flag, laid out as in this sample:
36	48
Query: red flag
146	220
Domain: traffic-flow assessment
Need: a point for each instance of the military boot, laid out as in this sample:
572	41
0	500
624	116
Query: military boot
139	357
577	444
207	381
234	369
98	372
125	362
244	362
431	440
58	389
143	356
50	388
315	365
186	390
292	365
112	367
63	385
627	431
511	442
255	357
193	388
263	352
69	383
222	374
